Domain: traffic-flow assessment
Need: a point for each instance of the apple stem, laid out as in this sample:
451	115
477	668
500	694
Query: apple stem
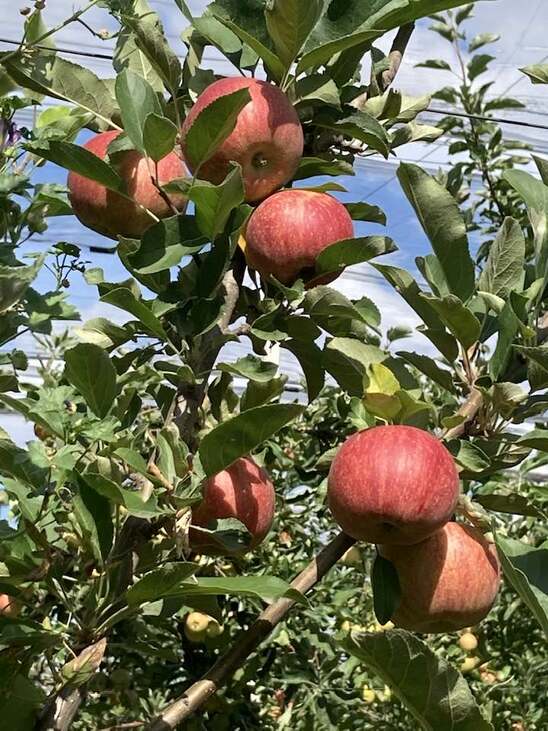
250	639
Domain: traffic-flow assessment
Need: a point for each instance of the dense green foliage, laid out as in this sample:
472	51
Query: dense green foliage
131	418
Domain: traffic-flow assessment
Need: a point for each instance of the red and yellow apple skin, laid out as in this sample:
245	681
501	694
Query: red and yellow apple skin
243	491
9	607
287	232
448	582
267	140
109	213
392	484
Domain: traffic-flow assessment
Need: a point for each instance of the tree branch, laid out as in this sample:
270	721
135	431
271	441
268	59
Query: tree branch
395	58
191	396
469	410
60	713
250	639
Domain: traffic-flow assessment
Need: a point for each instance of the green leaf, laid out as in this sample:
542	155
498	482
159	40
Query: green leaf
538	357
352	23
137	99
386	589
504	270
478	65
347	360
53	76
482	39
15	281
289	24
535	195
468	455
126	300
128	55
103	332
536	439
310	167
526	569
129	248
512	504
317	88
81	161
240	435
345	253
89	369
250	367
215	203
132	501
434	692
21	698
258	393
360	126
542	167
93	513
160	582
332	311
444	225
404	283
159	134
434	63
366	212
316	55
165	244
309	356
460	321
413	132
430	368
262	587
246	19
213	125
150	39
538	73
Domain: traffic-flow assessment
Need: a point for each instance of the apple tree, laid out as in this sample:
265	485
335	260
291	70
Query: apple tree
140	543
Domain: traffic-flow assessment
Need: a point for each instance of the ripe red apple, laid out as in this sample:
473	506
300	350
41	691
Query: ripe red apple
267	140
448	582
392	484
287	232
243	491
9	607
109	213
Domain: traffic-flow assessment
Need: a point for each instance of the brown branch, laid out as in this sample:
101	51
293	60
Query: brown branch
542	329
395	58
469	410
60	713
191	396
249	640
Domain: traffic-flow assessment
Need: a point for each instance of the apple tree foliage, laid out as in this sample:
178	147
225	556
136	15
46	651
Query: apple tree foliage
139	414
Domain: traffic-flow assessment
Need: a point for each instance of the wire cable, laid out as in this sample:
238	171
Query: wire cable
448	112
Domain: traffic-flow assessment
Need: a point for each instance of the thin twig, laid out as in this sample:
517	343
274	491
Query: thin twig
250	639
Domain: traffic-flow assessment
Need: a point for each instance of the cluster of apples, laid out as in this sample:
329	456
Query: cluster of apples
286	231
394	486
397	487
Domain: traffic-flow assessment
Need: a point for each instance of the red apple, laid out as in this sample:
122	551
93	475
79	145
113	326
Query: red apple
243	491
392	484
9	607
287	232
448	582
109	213
267	140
